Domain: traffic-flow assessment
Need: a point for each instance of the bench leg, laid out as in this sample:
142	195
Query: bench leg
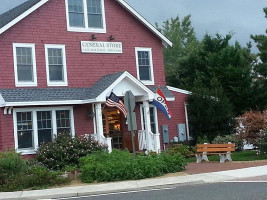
228	156
201	157
222	158
205	156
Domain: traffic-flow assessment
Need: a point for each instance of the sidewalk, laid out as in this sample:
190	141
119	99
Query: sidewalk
209	177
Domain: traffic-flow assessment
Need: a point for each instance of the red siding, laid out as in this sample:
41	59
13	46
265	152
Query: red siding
6	131
47	25
178	115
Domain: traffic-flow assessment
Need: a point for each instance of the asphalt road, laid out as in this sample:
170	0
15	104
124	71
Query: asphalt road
214	191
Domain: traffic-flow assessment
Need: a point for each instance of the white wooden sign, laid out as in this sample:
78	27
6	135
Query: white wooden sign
101	47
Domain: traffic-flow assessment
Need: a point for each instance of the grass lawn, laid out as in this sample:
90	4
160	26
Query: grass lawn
236	156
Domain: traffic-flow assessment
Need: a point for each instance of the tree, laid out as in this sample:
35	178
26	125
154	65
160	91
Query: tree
230	64
184	40
251	126
210	112
260	70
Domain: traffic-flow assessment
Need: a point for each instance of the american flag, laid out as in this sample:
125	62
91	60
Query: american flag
114	101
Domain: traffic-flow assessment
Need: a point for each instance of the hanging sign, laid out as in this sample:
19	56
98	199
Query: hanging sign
101	47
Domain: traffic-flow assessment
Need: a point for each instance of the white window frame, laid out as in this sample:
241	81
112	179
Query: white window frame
146	82
34	73
86	28
64	62
34	111
156	116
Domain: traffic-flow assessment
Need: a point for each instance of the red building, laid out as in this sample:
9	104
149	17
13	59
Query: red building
60	60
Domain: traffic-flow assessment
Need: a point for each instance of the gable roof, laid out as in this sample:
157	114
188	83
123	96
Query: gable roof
13	16
66	96
18	13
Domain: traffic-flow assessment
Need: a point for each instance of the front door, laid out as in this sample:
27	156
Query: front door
114	125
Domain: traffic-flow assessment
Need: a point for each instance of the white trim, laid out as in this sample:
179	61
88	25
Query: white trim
22	16
86	28
165	41
65	78
2	101
178	90
156	117
48	103
35	125
186	121
103	95
34	73
146	82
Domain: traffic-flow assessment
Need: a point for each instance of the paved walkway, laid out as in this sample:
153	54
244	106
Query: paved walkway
195	177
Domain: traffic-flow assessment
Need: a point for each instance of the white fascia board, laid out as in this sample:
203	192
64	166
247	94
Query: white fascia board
48	103
165	41
174	89
103	95
2	101
22	16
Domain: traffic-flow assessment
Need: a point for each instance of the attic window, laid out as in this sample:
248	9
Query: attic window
86	15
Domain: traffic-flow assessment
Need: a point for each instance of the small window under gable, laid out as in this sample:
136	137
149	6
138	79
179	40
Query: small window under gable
86	15
144	65
24	65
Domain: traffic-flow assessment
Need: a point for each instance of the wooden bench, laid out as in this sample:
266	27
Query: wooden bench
223	150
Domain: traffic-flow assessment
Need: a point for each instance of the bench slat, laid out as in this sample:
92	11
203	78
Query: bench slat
215	145
215	149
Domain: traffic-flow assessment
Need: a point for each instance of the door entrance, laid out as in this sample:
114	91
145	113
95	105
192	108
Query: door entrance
115	127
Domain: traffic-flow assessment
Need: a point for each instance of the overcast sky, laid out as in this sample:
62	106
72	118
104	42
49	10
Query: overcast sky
242	17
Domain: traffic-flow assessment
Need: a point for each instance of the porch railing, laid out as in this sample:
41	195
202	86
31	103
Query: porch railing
149	141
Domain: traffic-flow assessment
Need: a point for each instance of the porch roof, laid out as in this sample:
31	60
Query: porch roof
63	96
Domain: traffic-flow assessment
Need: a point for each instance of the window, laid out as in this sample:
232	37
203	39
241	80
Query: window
86	15
144	65
35	126
56	68
153	119
24	65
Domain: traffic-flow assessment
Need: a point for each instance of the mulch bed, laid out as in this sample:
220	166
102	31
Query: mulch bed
205	167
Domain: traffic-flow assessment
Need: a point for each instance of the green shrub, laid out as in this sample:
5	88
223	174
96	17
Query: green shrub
229	138
17	174
121	165
66	151
183	150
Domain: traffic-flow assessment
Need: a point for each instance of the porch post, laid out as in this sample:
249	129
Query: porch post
99	122
147	125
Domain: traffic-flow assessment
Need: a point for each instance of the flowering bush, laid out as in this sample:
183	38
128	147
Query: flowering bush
262	144
66	151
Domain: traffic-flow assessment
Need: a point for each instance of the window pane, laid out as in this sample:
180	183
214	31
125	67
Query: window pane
144	72
25	73
76	20
24	130
63	121
44	122
94	9
24	64
55	59
76	13
95	21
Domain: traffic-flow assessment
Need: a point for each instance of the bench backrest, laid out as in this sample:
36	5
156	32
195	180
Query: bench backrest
215	147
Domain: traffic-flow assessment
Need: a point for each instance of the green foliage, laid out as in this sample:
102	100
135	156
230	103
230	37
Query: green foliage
121	165
184	150
210	112
17	174
233	138
66	151
184	40
262	144
260	69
